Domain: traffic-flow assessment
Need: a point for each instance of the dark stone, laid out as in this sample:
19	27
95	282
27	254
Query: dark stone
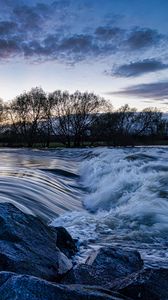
84	274
120	262
24	287
28	246
149	284
104	266
65	242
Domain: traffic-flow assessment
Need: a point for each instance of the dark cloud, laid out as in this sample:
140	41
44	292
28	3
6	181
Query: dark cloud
77	43
55	31
40	16
77	47
143	37
108	33
28	17
10	3
9	48
61	4
7	27
154	91
32	49
138	68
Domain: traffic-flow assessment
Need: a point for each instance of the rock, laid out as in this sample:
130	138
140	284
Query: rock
104	266
24	287
88	275
65	242
149	284
28	246
119	262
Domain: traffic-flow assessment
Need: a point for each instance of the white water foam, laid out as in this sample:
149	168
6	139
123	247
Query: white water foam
126	199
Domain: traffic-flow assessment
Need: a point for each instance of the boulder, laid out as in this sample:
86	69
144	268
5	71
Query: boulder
149	284
24	287
119	261
65	242
104	266
28	245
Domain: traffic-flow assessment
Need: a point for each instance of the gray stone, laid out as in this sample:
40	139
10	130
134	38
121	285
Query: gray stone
104	266
28	245
149	284
24	287
119	261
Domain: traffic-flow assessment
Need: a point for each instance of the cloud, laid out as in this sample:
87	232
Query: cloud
7	27
154	91
9	48
56	31
108	33
78	47
59	4
76	43
30	18
10	3
138	68
140	38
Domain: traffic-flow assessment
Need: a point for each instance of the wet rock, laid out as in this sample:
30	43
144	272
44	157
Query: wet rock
65	242
104	266
120	262
88	275
28	246
24	287
149	284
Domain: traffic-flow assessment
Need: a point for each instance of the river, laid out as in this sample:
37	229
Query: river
103	196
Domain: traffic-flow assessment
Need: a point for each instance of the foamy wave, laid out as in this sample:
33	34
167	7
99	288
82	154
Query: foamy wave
132	185
126	202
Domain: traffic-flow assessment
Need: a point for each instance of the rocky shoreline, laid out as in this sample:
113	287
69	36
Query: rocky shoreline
36	263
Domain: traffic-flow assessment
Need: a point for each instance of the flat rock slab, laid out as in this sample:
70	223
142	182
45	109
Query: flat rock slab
104	266
28	245
24	287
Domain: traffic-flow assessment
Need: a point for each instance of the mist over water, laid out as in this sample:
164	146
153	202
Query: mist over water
102	196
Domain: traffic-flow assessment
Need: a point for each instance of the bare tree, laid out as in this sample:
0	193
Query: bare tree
86	106
74	114
126	120
26	112
148	122
2	116
115	128
60	114
122	126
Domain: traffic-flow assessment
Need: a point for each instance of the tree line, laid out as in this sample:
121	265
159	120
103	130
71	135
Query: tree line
75	119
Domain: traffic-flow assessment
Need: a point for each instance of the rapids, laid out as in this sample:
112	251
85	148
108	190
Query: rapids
116	196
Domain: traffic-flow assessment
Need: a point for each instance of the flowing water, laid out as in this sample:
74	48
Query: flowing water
103	196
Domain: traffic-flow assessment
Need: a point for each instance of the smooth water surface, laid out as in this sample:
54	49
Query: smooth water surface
43	183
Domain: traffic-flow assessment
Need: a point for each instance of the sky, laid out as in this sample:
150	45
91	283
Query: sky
117	49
